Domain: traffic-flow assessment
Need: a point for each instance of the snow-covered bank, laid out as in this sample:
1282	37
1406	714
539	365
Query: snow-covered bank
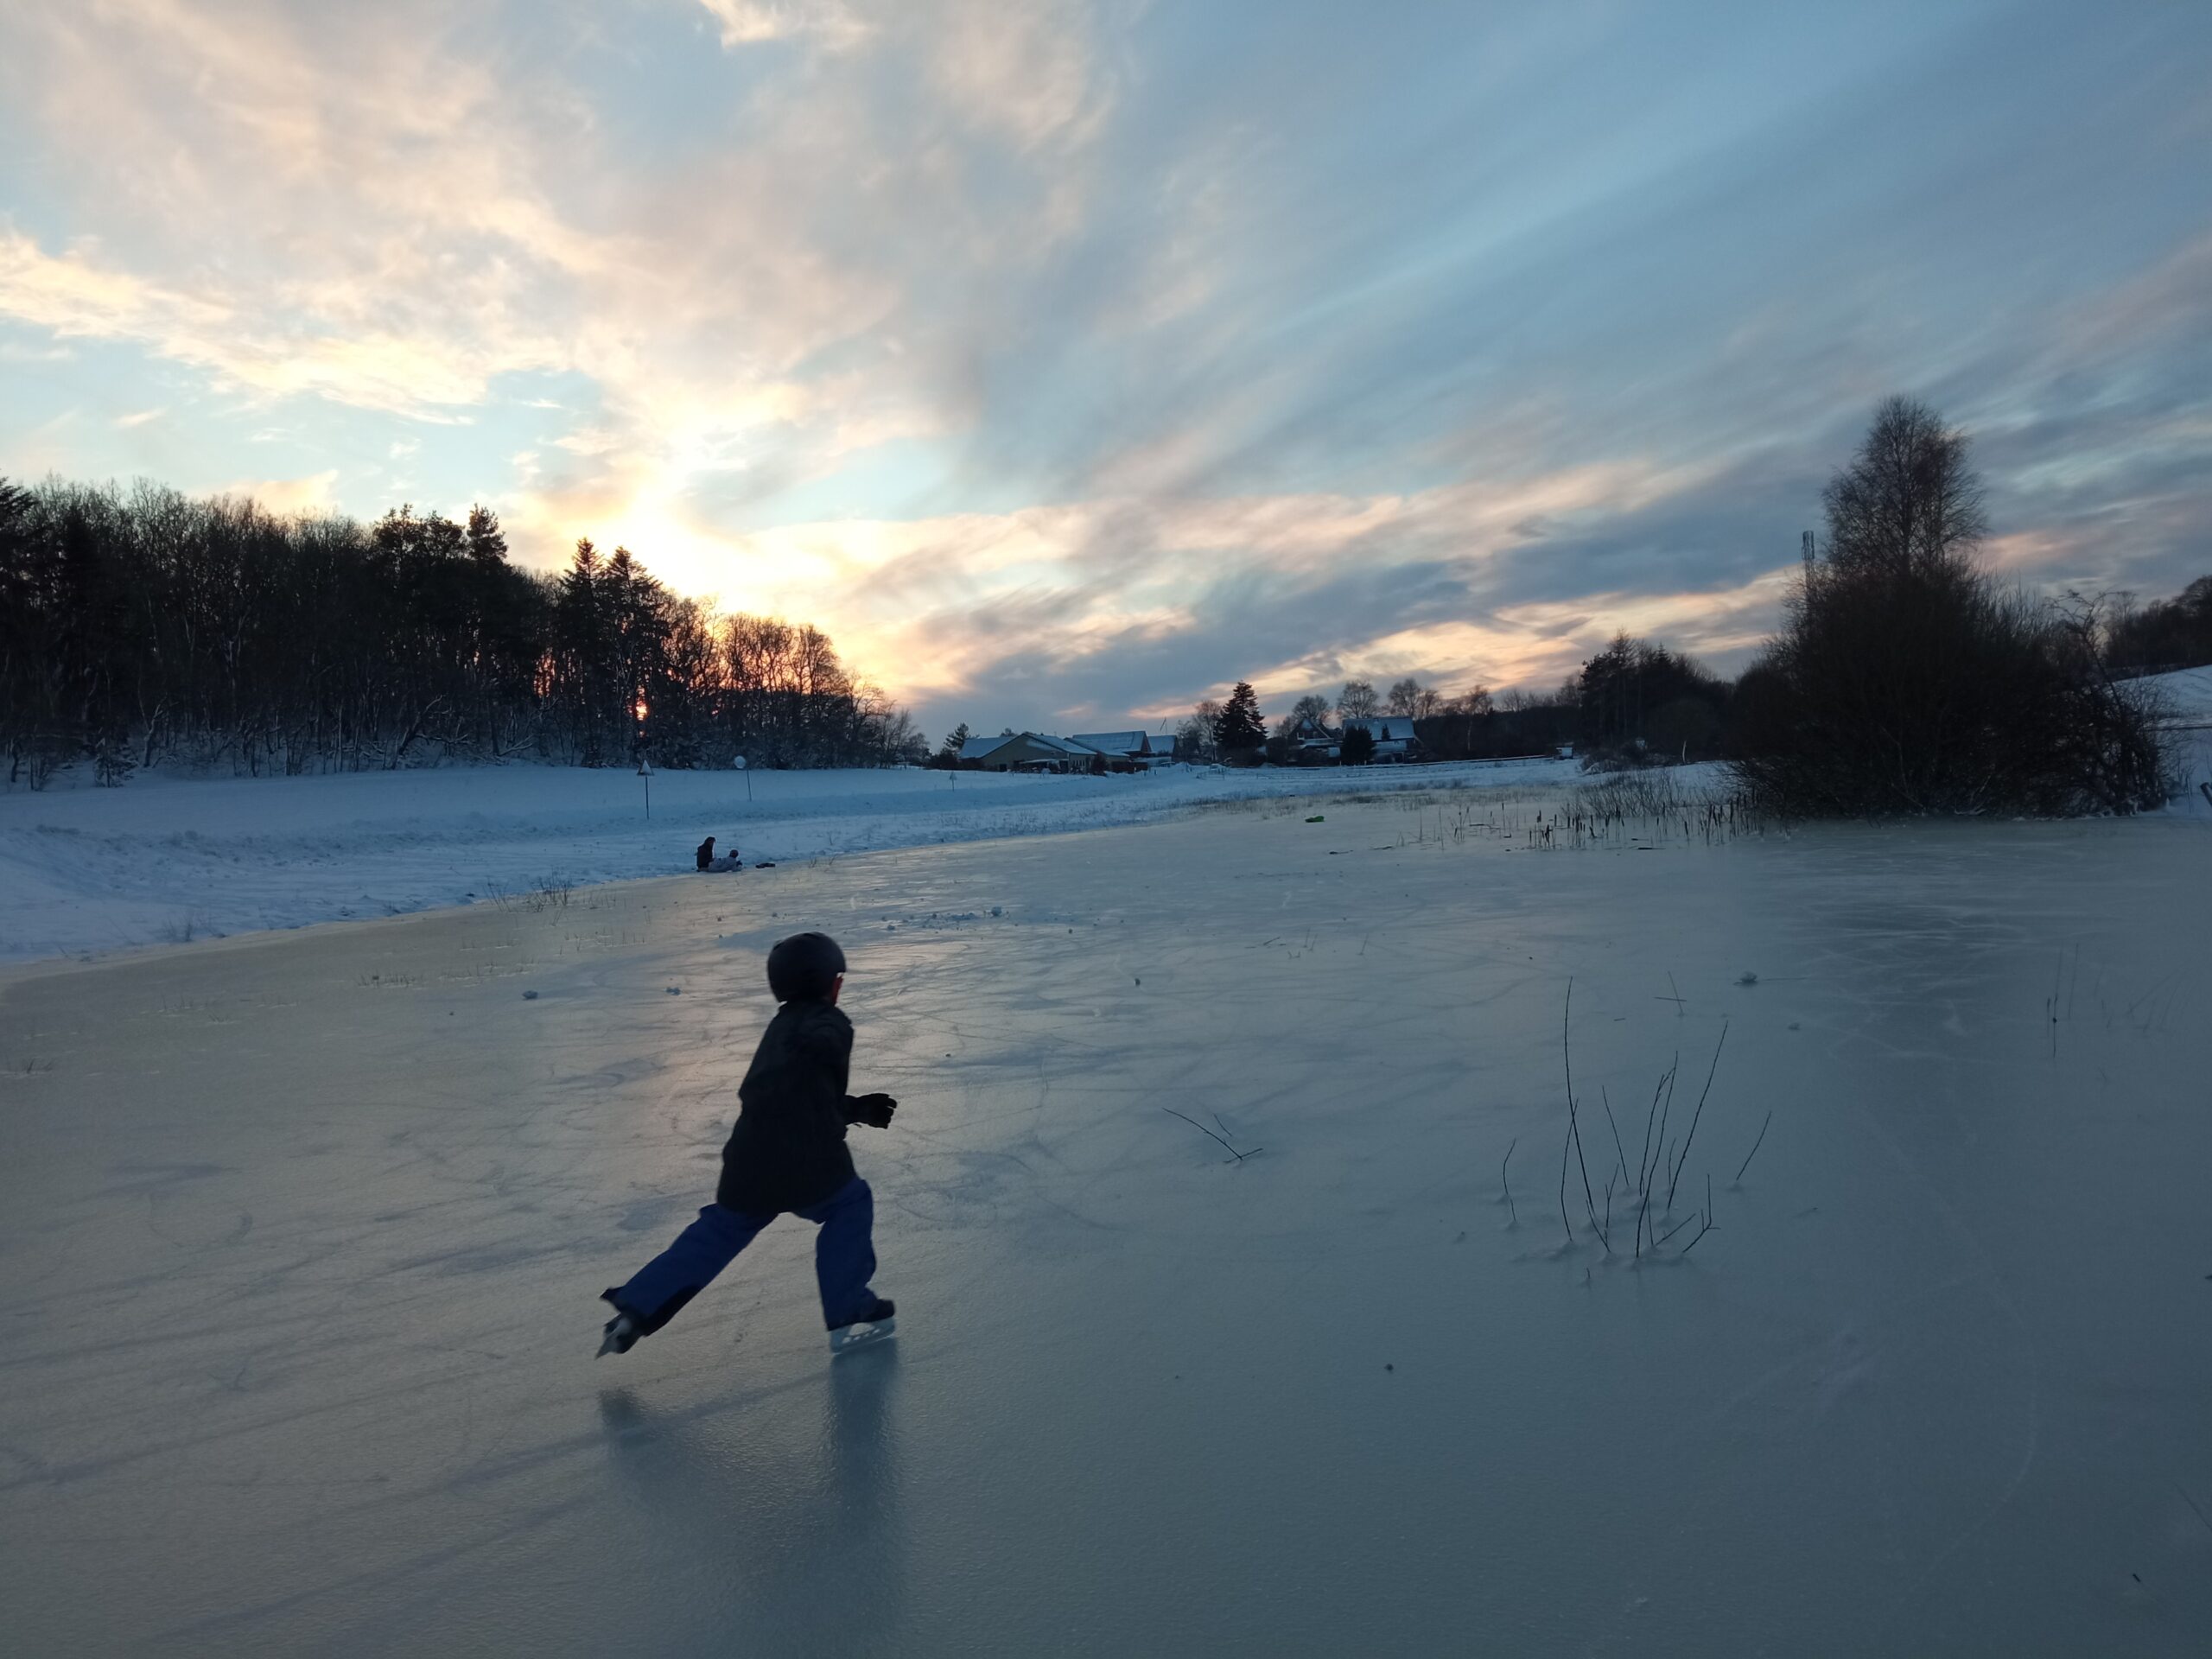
303	1237
166	860
2184	698
2184	695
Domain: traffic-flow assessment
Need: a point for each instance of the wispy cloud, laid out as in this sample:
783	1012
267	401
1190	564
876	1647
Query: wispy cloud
311	495
1083	355
751	22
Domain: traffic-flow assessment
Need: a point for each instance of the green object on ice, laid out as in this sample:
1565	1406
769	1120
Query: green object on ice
1316	818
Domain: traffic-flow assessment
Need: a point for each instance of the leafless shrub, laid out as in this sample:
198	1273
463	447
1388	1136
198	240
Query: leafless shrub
551	892
1907	682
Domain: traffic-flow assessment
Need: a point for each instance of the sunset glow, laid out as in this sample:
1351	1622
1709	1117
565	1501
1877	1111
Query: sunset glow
1089	374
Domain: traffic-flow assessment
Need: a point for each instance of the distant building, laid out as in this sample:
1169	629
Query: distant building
1130	750
977	751
1036	752
1393	734
1311	742
1124	750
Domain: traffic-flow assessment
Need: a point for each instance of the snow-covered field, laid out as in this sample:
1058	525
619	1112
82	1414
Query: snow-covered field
2186	695
167	860
303	1231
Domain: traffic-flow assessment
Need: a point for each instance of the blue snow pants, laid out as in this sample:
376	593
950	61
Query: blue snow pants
844	1259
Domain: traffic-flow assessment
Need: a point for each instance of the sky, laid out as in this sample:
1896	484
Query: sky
1068	360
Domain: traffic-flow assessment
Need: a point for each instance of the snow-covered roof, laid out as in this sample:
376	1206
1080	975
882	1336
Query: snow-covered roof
982	748
1112	742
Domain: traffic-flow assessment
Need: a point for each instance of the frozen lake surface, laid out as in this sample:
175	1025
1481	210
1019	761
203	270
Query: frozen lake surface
302	1234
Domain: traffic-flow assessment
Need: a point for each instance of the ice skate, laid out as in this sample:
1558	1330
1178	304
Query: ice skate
873	1326
622	1334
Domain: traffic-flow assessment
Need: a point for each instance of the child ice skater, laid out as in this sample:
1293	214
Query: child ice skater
787	1153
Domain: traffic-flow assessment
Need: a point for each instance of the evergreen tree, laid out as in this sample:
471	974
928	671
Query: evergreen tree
145	626
584	665
1237	730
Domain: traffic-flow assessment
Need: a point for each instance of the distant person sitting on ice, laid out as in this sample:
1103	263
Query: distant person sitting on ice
707	854
787	1153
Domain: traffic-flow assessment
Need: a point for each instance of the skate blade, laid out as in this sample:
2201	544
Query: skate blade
844	1342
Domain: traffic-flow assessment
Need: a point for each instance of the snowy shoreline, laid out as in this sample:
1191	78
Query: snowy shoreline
167	860
170	860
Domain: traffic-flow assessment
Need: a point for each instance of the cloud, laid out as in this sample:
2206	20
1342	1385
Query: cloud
1085	353
287	497
75	295
402	225
752	23
1138	603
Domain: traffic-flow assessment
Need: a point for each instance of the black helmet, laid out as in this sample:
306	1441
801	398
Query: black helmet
805	965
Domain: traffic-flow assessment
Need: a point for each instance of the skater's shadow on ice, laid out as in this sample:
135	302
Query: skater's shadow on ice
790	1514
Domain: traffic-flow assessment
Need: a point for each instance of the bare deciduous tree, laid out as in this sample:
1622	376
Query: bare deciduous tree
1907	502
1908	682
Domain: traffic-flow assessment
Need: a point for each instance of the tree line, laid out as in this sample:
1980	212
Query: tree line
1633	696
145	627
1906	679
2165	635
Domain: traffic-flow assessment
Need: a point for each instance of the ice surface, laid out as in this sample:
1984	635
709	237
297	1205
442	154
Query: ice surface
303	1232
169	860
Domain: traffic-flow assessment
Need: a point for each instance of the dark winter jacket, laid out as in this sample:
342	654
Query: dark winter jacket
788	1149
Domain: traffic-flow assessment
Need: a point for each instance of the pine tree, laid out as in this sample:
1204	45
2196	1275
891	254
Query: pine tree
487	543
1237	730
140	626
956	739
583	632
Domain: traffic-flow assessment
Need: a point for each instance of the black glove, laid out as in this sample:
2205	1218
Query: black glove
874	1110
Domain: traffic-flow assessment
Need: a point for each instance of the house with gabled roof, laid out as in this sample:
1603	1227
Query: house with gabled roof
1393	734
1124	751
1311	743
1037	751
1115	745
1130	750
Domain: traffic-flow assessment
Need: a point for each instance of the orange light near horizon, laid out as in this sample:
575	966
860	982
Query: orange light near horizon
641	708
